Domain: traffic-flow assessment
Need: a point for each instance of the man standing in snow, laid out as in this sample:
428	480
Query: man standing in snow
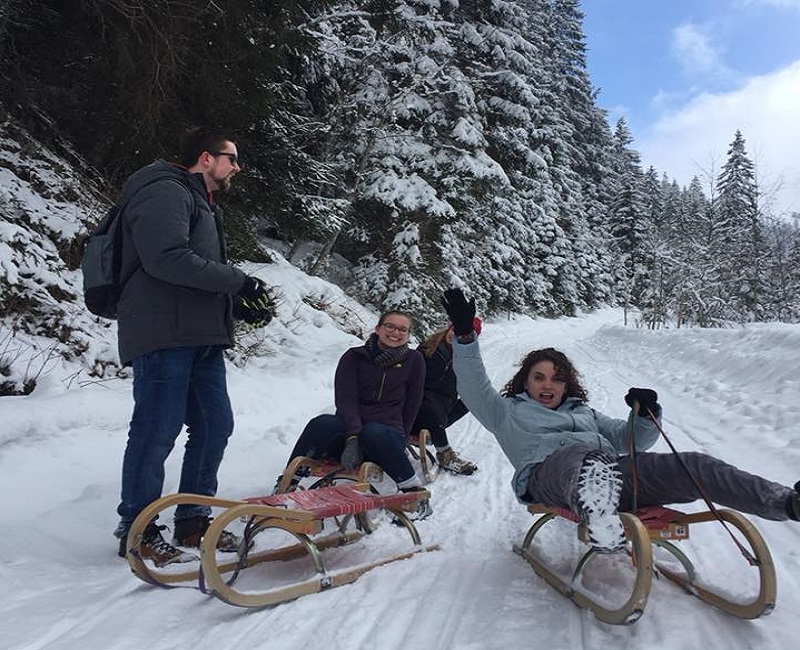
175	319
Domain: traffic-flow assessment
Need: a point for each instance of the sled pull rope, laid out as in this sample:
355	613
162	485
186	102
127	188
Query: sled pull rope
632	452
711	507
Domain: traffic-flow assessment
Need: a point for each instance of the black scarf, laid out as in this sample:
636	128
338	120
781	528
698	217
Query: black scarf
384	357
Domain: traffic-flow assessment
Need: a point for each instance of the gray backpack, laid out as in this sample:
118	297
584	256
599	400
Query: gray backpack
102	260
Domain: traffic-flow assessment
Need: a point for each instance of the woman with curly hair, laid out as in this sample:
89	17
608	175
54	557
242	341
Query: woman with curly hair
568	455
567	374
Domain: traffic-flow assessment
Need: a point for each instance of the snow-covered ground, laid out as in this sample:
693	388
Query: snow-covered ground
734	393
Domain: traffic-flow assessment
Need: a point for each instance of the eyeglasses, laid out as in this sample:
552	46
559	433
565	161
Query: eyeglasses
391	327
231	156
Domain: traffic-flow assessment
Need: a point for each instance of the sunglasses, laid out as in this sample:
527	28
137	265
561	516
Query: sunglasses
231	156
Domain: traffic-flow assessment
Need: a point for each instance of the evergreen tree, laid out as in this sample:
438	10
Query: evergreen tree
140	73
631	227
446	122
743	244
782	272
688	226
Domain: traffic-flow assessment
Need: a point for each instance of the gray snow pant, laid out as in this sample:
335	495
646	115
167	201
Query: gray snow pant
662	481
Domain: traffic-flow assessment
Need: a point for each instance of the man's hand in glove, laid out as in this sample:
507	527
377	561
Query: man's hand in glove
250	314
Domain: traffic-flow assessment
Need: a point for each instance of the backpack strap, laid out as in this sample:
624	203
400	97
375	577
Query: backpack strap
193	217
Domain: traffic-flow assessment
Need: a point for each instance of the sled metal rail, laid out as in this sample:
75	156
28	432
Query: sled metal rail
656	526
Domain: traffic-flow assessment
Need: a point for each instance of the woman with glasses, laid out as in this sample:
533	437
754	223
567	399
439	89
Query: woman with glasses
378	388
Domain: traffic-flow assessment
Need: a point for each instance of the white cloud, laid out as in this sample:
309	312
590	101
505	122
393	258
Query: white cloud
694	139
695	52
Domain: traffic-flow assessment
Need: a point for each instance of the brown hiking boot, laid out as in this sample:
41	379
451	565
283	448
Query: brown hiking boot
449	461
154	547
189	532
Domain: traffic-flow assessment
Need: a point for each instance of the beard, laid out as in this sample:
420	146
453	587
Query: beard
220	181
224	183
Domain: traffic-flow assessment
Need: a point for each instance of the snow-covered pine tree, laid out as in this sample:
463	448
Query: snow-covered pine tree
457	118
631	227
743	242
586	153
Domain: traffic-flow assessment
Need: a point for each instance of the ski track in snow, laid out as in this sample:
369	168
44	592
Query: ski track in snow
64	588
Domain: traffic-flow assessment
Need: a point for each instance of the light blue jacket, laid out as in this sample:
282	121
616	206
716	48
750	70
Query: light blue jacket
527	431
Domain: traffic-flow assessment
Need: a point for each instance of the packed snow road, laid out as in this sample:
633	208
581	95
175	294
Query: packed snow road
731	393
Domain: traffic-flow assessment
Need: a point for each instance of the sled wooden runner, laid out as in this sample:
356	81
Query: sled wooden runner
661	527
325	473
301	515
417	449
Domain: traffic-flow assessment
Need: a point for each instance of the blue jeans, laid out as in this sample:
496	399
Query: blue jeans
173	387
324	437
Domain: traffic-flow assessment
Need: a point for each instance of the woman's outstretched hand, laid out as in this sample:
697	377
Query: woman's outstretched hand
460	310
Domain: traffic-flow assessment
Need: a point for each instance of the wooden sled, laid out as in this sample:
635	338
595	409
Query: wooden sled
417	449
661	527
300	515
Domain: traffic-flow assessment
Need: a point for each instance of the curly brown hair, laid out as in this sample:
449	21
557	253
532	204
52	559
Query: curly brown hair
564	369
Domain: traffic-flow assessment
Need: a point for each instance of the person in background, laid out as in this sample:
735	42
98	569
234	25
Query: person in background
175	319
378	388
568	455
441	406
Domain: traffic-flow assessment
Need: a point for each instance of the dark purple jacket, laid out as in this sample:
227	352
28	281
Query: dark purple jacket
366	392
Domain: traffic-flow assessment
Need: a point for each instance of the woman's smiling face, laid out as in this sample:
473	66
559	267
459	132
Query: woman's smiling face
546	384
393	331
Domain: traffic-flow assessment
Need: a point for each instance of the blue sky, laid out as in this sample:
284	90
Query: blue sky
686	74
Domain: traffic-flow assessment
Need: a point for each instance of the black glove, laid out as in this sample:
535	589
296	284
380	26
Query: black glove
250	314
460	311
253	303
255	293
351	456
647	398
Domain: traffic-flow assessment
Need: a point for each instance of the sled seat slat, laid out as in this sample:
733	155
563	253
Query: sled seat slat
340	500
661	522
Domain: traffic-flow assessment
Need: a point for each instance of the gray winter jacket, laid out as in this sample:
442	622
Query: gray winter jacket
527	431
177	283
